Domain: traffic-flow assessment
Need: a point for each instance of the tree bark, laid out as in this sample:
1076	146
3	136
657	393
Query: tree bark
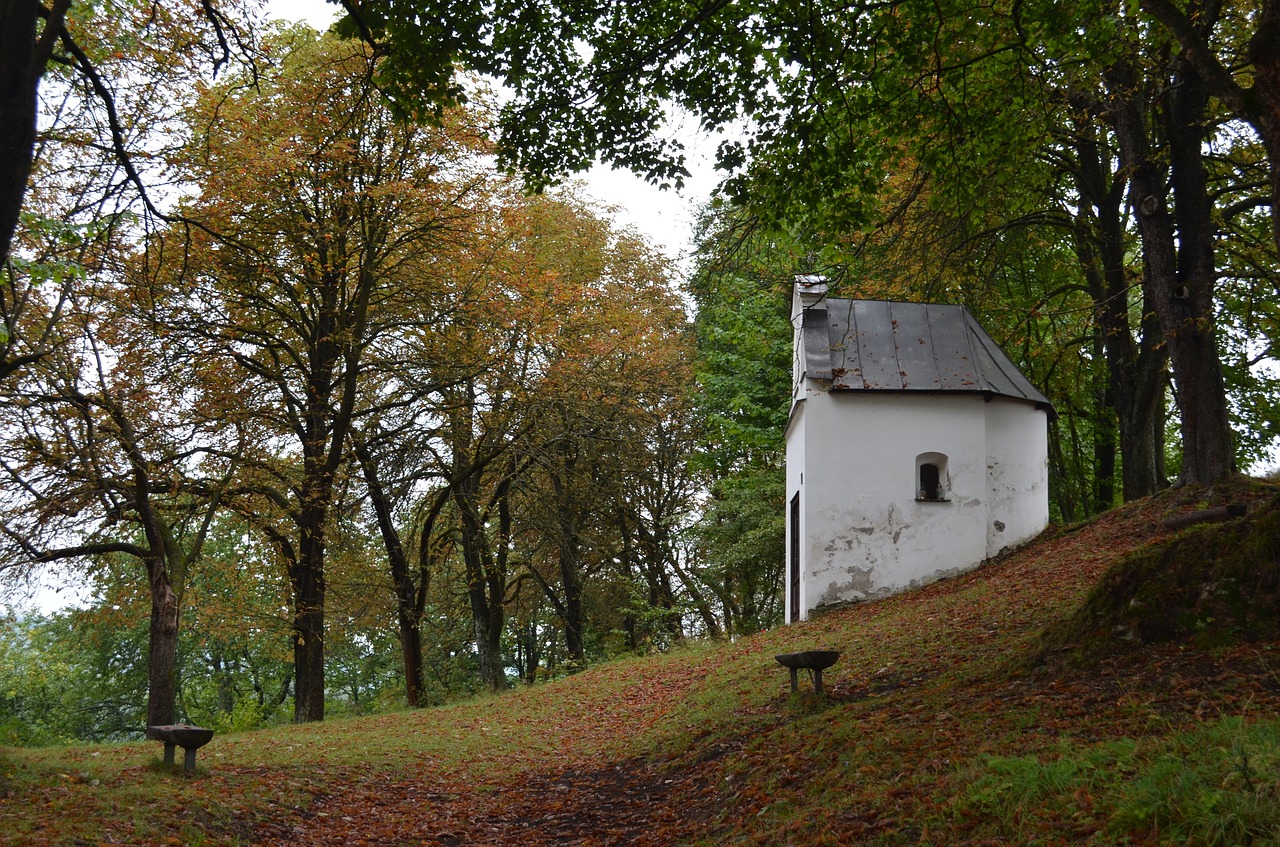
307	579
1259	105
308	583
23	57
486	587
408	609
700	603
1186	312
1178	258
1135	365
1264	52
571	585
334	346
568	495
162	647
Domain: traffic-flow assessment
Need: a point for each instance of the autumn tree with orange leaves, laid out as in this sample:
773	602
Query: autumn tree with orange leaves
334	218
565	326
607	491
112	448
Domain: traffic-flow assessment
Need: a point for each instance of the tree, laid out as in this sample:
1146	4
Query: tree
743	368
101	48
1238	67
337	211
822	61
410	586
657	505
72	674
485	372
507	366
832	94
107	452
107	467
236	669
599	468
27	45
410	386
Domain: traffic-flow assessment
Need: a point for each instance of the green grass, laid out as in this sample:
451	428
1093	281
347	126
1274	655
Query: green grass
1215	784
947	722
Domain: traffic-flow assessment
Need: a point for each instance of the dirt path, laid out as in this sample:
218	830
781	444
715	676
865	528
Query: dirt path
576	796
628	804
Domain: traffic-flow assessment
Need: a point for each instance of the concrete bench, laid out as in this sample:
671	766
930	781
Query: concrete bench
813	660
189	738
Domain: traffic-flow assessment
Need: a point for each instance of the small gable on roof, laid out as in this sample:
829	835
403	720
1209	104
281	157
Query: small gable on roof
874	345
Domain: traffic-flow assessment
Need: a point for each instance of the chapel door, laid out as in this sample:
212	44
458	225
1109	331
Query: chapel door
793	560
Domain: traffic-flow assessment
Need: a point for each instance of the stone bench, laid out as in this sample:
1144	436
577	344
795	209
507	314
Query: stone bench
813	660
189	738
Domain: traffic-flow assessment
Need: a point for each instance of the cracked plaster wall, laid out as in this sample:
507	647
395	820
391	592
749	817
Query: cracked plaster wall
1017	472
864	533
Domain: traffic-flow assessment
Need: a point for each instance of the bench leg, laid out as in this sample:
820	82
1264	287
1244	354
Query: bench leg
795	684
817	681
168	753
189	760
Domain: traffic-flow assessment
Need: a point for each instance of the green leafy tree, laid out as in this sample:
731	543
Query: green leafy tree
75	674
743	366
236	669
835	95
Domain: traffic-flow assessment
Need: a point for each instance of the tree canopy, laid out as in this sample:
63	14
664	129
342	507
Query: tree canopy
835	100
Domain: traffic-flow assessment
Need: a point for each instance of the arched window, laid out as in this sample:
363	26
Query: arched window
931	477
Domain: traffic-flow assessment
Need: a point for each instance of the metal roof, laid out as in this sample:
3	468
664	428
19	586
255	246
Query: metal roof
875	345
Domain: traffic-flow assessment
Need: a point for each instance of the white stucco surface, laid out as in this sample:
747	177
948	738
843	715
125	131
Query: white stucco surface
865	532
865	528
1018	473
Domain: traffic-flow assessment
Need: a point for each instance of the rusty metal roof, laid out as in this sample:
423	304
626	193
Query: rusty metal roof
874	345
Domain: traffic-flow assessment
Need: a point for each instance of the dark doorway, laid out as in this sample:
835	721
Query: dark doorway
794	559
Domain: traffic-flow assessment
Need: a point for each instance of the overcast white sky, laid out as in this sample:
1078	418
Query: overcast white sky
666	218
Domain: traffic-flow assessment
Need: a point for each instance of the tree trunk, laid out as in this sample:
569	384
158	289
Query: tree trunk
1186	311
487	623
530	651
486	587
1264	52
1192	24
411	656
408	613
22	63
700	603
571	584
222	668
1178	261
1135	367
307	577
162	648
1064	493
1104	433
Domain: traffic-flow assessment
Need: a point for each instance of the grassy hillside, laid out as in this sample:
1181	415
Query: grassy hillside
1024	703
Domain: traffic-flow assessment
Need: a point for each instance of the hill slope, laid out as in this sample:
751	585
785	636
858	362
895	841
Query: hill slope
1007	706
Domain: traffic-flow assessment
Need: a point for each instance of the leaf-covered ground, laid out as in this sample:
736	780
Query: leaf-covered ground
950	719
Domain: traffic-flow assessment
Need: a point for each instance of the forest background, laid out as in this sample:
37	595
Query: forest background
324	409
